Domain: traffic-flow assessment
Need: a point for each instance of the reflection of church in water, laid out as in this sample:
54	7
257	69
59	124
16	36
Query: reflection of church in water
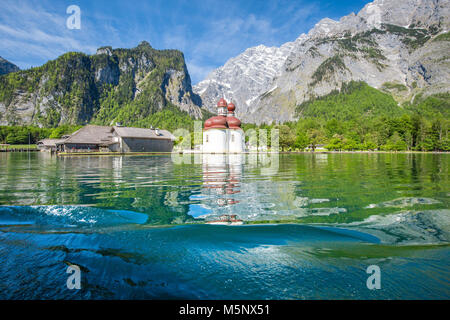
238	184
221	184
224	201
223	141
223	133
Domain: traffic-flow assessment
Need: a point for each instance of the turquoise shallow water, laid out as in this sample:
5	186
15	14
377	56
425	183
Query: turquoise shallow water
338	214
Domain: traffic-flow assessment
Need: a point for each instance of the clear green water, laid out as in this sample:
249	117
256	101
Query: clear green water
337	214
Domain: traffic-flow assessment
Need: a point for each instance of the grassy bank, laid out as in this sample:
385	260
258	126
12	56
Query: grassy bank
18	147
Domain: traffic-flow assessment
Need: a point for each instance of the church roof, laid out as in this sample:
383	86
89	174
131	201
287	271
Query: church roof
222	121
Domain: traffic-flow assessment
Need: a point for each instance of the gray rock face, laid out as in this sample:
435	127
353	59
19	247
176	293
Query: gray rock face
177	89
7	67
242	79
386	42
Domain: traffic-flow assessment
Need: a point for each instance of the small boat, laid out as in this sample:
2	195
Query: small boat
227	220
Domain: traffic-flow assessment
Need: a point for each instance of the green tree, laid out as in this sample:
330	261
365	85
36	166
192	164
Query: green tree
395	143
316	137
301	141
287	137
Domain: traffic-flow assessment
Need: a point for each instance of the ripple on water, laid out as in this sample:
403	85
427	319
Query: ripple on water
60	216
403	202
408	227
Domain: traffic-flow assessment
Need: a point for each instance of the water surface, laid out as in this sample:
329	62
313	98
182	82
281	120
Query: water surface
326	218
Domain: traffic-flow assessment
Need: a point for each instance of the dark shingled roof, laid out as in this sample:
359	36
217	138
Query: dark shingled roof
91	134
127	132
102	135
50	142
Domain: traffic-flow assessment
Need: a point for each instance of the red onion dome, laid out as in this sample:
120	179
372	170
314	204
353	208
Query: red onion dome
222	103
231	107
218	122
208	123
233	122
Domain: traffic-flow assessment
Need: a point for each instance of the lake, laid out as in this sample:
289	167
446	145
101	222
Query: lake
314	223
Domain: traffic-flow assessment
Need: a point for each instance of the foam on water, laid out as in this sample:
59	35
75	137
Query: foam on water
408	227
403	202
69	216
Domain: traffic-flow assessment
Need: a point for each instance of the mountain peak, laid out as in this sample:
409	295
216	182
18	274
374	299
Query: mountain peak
423	13
7	67
323	27
105	50
386	41
144	44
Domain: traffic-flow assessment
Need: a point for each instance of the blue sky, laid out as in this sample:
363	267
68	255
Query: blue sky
209	32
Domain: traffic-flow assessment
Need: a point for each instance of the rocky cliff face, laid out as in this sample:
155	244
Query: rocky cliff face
7	67
244	77
398	46
112	85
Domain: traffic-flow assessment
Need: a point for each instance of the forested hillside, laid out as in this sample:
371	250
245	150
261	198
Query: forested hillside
114	85
358	117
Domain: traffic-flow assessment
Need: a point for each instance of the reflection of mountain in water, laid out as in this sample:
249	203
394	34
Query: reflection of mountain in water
153	186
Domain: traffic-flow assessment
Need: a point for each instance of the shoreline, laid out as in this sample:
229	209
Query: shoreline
68	154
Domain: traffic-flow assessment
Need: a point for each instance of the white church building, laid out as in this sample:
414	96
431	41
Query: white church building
223	133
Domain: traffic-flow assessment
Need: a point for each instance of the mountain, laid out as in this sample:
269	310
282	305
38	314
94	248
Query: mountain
124	85
7	67
243	78
399	47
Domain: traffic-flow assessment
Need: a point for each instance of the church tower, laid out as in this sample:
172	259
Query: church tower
223	133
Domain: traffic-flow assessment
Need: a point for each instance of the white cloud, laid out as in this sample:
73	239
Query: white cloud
32	34
211	33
